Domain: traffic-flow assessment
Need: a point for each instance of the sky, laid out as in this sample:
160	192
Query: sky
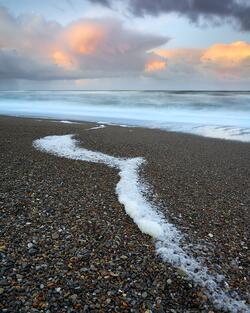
125	44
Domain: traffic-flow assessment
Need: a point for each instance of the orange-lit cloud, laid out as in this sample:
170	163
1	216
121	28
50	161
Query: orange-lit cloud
85	37
225	54
62	59
223	60
228	55
155	66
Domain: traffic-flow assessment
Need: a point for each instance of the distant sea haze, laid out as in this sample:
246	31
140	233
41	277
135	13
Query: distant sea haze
217	114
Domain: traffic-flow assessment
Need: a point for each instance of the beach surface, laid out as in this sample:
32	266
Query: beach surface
67	244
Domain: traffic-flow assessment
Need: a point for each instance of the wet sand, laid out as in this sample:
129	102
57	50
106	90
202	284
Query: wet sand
67	244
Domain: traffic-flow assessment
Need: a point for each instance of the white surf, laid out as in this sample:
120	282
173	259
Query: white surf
97	127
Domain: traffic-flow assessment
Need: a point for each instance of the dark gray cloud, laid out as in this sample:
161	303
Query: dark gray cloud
102	2
238	10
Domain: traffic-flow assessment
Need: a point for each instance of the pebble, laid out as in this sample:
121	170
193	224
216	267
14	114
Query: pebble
73	297
32	251
19	277
181	273
101	252
144	294
55	236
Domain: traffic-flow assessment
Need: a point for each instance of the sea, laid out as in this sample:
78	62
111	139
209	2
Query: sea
216	114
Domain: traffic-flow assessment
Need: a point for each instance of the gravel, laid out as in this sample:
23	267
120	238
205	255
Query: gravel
66	244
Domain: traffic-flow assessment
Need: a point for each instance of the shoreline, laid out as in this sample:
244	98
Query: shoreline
188	173
193	131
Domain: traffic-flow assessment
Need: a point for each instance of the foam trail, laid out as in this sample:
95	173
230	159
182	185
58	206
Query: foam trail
68	122
130	191
63	122
97	127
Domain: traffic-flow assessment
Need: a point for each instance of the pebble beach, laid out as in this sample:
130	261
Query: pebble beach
67	244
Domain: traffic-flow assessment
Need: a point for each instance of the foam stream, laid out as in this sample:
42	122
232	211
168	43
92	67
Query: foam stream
97	127
130	190
67	122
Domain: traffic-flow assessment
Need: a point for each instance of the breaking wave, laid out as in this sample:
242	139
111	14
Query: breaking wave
224	115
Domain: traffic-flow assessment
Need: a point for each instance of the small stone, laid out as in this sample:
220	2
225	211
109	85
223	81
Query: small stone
204	298
169	281
30	245
32	251
73	298
84	269
210	235
19	277
2	248
55	236
144	294
181	273
124	257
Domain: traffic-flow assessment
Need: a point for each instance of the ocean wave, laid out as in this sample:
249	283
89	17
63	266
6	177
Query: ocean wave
197	113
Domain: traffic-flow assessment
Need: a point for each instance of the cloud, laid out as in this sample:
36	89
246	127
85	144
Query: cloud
211	10
85	37
230	55
33	48
155	66
62	59
218	62
228	61
188	56
102	2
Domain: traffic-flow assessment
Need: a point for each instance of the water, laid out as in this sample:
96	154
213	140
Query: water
223	115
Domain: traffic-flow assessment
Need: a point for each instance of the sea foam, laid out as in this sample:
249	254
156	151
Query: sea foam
97	127
131	193
68	122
